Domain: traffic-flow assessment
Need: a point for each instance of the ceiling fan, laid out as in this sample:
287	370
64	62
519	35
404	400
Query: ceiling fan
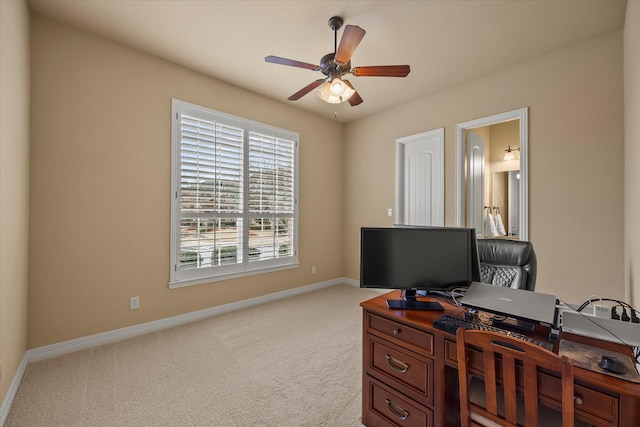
333	88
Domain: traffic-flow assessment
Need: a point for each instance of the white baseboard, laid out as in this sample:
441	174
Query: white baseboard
61	348
58	349
13	390
351	282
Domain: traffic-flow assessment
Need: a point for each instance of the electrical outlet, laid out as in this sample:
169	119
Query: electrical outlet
389	212
134	303
313	269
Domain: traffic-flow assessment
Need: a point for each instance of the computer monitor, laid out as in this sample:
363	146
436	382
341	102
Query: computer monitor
418	259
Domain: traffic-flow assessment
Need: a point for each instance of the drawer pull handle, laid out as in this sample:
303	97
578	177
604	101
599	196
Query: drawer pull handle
396	364
399	413
578	399
396	331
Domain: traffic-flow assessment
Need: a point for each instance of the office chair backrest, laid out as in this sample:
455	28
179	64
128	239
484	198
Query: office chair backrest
505	262
508	352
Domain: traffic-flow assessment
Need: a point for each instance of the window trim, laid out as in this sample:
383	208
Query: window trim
200	276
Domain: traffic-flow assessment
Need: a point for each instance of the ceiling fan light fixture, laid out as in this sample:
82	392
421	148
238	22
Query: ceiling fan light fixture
335	91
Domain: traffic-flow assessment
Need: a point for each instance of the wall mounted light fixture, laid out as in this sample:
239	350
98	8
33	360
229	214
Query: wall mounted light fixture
509	153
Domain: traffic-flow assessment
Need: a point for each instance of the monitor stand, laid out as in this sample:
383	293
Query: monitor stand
409	302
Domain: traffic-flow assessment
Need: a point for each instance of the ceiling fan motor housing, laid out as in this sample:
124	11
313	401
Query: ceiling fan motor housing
329	65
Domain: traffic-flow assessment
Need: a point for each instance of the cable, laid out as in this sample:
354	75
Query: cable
455	292
591	299
614	315
598	324
625	317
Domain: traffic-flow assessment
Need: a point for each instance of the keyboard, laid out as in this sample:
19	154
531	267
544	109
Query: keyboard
451	324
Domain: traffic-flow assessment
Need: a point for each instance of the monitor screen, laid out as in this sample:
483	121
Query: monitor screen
420	258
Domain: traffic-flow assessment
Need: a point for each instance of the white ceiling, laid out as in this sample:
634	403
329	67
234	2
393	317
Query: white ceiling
446	42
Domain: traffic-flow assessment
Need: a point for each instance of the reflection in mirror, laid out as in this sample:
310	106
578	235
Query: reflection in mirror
505	200
492	185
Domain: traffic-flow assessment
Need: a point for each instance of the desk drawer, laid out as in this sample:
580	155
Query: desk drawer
451	352
390	407
407	372
420	341
590	405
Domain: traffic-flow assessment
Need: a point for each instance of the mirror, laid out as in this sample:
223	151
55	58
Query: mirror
492	181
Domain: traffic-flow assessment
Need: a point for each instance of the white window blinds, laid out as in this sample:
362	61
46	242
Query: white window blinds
234	192
271	194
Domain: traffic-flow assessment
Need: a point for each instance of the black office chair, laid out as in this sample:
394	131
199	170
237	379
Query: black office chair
510	263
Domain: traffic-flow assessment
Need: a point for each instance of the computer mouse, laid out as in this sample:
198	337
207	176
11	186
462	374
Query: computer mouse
611	364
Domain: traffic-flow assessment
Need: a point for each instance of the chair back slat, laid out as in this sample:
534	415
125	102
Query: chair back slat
510	354
490	385
531	392
509	387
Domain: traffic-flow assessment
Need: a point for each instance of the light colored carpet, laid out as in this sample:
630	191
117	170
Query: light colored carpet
292	362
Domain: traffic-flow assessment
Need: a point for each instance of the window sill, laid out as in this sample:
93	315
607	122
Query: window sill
202	280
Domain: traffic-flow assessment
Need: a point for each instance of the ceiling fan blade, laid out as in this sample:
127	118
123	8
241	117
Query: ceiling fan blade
290	62
305	90
351	38
381	71
355	99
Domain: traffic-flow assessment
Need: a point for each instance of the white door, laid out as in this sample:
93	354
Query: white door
475	181
420	179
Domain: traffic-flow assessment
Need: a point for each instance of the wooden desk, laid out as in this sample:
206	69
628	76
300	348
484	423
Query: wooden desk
410	377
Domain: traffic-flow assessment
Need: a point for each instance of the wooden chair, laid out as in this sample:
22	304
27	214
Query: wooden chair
513	355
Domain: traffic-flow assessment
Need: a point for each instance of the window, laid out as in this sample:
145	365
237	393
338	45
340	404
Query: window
234	196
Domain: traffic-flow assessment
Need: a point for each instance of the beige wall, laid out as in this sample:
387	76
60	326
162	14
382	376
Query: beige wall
100	177
632	150
100	186
14	186
575	100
